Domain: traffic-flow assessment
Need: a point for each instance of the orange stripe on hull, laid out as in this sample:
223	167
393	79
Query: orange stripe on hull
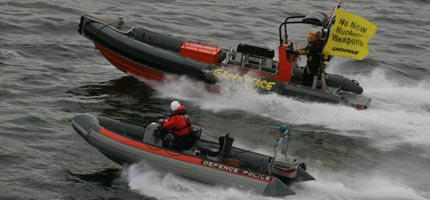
128	66
149	148
169	154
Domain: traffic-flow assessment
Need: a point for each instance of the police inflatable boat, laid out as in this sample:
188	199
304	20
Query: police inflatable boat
208	162
147	54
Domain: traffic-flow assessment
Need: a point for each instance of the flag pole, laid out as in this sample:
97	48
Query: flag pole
322	72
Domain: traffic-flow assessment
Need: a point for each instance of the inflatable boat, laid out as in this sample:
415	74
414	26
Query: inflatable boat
147	54
217	163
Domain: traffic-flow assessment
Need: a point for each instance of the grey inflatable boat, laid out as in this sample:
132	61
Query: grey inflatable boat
208	162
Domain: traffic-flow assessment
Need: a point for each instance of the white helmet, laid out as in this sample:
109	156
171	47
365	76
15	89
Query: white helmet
174	105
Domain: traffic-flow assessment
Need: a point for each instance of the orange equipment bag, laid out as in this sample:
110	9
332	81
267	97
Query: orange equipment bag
200	52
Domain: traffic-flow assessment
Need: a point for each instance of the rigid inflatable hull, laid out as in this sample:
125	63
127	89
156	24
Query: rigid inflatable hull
133	52
140	56
123	150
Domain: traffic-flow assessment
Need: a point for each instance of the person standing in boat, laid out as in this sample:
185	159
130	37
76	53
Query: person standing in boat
179	125
314	57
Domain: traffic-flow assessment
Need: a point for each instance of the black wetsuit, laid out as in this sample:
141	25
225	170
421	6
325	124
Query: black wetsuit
314	61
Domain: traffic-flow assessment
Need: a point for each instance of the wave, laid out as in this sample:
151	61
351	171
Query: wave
151	182
329	185
397	114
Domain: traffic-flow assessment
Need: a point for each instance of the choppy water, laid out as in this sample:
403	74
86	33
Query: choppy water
49	73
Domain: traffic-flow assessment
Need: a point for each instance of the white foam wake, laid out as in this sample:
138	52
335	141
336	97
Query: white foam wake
165	186
399	114
396	115
362	188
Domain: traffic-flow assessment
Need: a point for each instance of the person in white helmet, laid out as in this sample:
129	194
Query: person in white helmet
179	124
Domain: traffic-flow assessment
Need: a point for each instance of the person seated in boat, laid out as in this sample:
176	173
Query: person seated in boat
313	51
179	125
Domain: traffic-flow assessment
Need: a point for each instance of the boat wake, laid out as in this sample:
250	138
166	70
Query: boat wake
151	182
397	115
375	187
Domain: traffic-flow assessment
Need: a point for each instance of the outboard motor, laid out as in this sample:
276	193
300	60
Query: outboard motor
281	144
284	169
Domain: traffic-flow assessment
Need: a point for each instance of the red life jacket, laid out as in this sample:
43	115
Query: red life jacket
179	123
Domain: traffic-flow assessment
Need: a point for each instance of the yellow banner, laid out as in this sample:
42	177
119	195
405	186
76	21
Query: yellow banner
349	36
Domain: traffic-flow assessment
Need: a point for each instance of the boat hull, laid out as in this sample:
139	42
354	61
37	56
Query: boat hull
149	55
122	149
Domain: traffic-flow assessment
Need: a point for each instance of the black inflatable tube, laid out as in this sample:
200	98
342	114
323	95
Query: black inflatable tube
160	40
344	83
144	53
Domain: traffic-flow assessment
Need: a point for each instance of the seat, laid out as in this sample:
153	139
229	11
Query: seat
256	50
226	144
152	134
224	150
195	135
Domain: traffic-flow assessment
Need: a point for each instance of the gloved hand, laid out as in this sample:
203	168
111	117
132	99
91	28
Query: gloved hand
292	50
160	131
308	71
169	137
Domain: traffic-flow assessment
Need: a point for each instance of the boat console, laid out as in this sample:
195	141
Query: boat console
253	57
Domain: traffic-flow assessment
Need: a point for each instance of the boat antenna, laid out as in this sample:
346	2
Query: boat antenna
325	34
327	27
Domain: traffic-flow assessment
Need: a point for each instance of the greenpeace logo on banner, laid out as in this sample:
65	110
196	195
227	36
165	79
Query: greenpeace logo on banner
345	50
349	36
